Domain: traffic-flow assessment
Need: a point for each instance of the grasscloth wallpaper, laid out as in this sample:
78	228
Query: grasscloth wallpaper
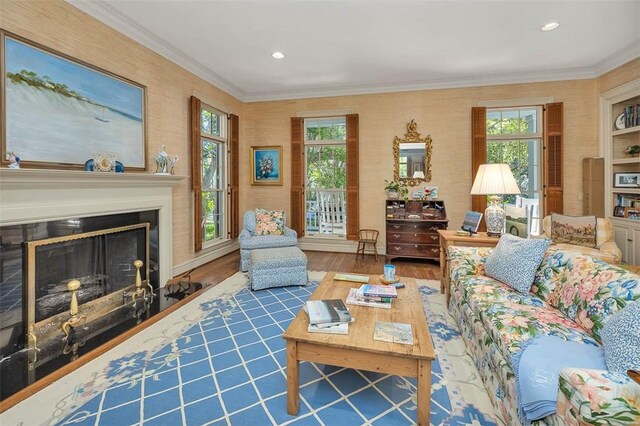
444	114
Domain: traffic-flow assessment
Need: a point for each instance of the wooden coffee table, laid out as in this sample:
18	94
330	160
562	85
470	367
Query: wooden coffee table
358	349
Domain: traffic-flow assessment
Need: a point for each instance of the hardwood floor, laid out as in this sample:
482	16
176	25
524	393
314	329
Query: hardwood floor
220	269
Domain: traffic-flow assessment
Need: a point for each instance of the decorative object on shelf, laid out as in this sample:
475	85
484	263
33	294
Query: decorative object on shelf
626	180
13	159
89	166
104	162
173	162
432	191
412	157
632	213
90	110
619	122
164	162
494	180
632	150
266	165
618	211
396	189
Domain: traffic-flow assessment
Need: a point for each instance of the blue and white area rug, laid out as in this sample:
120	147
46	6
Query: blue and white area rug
220	360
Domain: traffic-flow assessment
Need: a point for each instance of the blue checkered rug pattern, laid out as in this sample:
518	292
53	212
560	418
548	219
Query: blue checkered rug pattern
227	366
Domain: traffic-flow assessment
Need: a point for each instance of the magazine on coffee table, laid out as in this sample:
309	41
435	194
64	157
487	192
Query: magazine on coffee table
351	277
394	332
327	312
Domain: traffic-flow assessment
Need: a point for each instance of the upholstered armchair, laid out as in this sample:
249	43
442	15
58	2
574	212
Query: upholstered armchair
606	248
250	241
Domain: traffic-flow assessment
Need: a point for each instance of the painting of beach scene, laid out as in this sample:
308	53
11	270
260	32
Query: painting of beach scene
60	113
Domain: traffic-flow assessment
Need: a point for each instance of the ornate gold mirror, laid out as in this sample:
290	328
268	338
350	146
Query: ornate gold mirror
412	157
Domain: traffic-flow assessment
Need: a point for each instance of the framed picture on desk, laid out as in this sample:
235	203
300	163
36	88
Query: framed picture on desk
471	222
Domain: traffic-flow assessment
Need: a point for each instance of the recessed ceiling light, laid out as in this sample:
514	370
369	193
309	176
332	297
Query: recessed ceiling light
550	26
278	55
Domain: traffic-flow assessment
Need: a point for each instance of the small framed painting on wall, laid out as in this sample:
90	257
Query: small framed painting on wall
626	180
266	165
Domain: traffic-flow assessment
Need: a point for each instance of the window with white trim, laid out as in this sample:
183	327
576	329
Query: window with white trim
514	137
213	154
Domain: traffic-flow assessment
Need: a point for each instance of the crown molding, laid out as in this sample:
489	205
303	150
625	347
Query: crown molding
620	57
513	78
115	19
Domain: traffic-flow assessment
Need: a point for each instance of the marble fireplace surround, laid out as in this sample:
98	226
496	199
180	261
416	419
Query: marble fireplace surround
29	195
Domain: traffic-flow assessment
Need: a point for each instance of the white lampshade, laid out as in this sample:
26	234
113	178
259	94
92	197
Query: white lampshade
418	174
494	179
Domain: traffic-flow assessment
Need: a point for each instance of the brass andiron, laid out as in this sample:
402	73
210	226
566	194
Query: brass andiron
140	291
73	287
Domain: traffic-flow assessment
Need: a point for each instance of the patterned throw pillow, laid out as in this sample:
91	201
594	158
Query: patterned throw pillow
621	339
515	261
576	230
269	222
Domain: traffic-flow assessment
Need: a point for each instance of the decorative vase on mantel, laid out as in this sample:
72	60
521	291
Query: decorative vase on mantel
392	195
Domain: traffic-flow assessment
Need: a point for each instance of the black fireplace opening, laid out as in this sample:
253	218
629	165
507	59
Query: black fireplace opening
102	265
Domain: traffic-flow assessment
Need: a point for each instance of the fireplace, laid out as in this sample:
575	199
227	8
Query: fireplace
103	263
58	226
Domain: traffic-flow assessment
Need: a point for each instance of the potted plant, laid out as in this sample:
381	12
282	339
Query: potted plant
395	189
633	150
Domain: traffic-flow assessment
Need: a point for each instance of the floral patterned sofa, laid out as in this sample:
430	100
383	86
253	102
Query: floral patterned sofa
573	295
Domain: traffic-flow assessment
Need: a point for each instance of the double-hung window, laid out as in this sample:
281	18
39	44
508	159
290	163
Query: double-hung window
213	181
326	176
514	137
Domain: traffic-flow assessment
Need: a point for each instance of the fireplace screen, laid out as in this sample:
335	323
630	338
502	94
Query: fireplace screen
102	261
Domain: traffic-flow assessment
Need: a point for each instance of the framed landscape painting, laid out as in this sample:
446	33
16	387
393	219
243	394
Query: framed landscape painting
266	165
58	112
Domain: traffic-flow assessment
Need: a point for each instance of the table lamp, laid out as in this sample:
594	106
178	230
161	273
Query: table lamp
418	174
494	180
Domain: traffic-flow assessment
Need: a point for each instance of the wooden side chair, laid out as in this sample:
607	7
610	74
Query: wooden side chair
367	236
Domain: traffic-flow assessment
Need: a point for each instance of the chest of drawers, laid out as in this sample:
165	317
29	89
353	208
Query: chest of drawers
412	228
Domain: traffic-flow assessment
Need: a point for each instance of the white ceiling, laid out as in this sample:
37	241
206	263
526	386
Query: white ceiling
349	47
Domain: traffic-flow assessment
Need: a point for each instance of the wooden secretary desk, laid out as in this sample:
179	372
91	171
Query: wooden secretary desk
412	228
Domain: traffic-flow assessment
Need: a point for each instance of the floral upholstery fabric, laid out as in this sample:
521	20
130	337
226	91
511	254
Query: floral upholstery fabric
512	318
495	320
269	222
248	241
588	291
597	397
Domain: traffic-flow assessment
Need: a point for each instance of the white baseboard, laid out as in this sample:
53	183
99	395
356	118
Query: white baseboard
332	245
213	254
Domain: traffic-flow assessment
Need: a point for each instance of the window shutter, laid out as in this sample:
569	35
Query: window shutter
353	176
297	175
196	180
234	176
478	156
552	185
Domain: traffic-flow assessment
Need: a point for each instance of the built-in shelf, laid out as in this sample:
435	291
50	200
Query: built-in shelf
633	160
622	220
626	131
612	103
625	191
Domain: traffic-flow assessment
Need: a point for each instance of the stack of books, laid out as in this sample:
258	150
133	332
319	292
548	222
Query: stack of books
328	316
379	296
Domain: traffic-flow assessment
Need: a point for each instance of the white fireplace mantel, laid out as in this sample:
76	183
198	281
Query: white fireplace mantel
29	195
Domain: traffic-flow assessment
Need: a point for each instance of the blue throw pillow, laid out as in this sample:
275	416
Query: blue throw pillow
515	261
621	339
